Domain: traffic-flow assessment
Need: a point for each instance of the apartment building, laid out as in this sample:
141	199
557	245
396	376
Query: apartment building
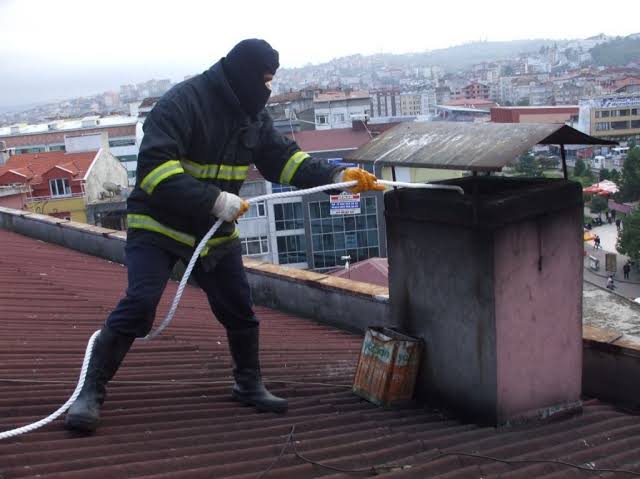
615	117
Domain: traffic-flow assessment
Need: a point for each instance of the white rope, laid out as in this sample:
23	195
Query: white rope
185	278
65	406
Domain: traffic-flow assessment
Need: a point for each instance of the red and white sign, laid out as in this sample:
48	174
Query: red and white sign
345	204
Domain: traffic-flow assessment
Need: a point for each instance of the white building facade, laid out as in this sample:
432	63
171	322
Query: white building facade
339	109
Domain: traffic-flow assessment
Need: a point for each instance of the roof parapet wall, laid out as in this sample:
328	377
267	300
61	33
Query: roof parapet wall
345	304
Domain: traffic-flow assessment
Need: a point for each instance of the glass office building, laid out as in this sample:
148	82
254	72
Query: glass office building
334	237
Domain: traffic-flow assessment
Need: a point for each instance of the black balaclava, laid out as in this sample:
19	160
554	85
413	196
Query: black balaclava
245	66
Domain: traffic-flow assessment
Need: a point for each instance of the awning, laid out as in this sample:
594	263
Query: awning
465	146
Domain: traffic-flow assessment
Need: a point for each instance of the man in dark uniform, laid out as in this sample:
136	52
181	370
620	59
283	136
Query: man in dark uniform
199	141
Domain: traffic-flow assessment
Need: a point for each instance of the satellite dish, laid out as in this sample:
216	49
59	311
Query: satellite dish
112	187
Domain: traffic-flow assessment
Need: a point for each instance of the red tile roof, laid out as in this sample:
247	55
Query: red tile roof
372	270
169	413
34	165
313	141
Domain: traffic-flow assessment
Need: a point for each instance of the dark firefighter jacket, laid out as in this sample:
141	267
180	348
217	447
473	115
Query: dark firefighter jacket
198	142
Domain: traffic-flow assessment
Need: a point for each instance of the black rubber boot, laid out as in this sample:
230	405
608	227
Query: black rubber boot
249	389
109	349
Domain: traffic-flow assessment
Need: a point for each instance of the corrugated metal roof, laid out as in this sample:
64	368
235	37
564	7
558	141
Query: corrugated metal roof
464	146
169	413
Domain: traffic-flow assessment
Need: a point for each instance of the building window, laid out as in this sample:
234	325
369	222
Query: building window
288	216
60	187
635	124
123	142
605	114
634	111
367	167
278	188
57	148
131	173
619	125
255	245
349	235
291	249
623	112
256	210
322	119
338	118
37	149
603	126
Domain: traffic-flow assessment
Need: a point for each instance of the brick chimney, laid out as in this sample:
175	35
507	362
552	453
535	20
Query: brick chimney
492	281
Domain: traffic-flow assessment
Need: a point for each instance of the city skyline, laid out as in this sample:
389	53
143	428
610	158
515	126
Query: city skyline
132	42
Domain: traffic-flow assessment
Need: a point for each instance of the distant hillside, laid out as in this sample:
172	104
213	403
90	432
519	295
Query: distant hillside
463	56
617	52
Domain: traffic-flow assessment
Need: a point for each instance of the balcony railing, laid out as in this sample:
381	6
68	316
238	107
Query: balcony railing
56	197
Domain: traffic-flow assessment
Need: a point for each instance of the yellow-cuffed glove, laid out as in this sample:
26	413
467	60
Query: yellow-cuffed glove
366	181
229	207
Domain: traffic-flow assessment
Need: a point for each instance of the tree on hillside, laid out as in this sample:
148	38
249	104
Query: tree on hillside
616	52
549	162
614	176
580	169
508	71
605	174
528	165
630	185
629	238
598	205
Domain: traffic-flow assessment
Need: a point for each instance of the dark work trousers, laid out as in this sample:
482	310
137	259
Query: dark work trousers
149	267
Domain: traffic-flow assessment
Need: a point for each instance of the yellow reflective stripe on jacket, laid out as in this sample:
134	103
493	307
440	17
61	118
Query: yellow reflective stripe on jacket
291	166
159	174
232	172
214	242
146	222
198	170
220	172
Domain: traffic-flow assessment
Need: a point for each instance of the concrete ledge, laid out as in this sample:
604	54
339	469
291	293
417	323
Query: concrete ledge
611	365
345	304
89	239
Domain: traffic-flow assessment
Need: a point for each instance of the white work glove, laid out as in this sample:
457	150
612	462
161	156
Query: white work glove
229	207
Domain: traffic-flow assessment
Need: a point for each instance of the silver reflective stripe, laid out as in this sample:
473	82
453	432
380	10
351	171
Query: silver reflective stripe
291	166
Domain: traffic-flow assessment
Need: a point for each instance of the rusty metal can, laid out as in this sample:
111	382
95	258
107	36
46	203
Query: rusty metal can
388	366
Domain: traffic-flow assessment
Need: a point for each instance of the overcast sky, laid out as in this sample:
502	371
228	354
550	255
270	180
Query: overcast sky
56	49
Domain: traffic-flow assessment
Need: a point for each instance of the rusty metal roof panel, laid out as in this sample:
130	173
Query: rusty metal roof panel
169	413
464	146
